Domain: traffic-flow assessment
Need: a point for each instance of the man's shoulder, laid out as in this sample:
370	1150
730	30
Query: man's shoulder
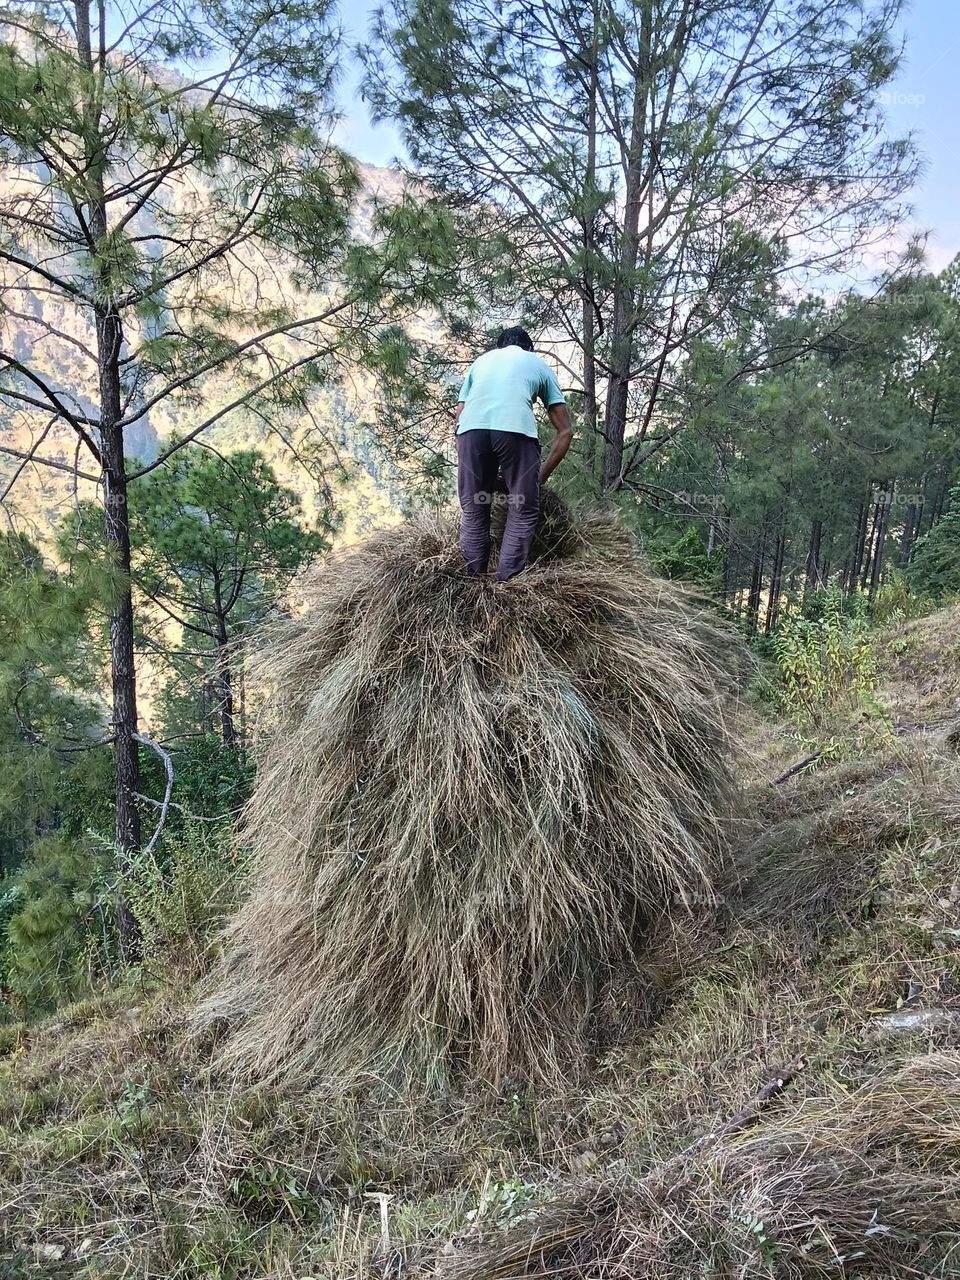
528	361
542	368
484	359
512	357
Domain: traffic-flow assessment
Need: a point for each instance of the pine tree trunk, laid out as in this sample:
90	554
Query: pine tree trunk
224	674
940	493
870	545
776	584
908	536
225	689
242	699
109	339
756	582
813	580
879	548
123	676
589	225
625	302
856	558
726	539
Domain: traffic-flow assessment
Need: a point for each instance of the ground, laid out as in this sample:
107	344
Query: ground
122	1155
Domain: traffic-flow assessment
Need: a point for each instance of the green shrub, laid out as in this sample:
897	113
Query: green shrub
685	557
896	600
181	894
211	779
57	934
935	568
826	664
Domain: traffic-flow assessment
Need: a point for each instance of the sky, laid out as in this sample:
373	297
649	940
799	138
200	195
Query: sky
923	100
373	144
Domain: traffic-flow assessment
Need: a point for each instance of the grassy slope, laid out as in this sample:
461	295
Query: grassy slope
118	1157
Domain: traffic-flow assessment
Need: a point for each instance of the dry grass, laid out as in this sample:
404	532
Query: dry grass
844	950
920	668
118	1159
120	1156
861	1182
830	852
479	805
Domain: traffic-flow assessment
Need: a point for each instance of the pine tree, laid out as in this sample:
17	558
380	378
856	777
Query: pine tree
174	200
216	543
634	173
935	568
51	717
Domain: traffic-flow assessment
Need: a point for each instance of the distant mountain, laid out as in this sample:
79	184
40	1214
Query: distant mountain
41	496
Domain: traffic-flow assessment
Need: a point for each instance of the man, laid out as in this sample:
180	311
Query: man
496	430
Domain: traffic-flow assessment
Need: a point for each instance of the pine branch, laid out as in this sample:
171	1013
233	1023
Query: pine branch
48	462
222	361
285	372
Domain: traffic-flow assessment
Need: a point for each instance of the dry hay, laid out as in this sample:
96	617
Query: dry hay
860	1183
478	801
819	842
827	850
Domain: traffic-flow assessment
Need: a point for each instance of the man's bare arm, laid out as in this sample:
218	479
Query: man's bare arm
456	415
562	424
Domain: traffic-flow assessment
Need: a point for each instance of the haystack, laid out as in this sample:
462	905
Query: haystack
850	1182
478	804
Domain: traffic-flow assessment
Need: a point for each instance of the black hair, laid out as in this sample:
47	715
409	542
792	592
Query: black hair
515	337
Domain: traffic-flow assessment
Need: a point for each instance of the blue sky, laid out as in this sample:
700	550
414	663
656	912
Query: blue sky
923	100
373	144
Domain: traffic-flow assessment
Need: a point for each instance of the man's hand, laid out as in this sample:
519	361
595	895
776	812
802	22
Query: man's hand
559	416
456	415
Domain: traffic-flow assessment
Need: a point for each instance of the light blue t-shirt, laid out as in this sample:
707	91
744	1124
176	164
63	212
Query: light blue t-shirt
500	388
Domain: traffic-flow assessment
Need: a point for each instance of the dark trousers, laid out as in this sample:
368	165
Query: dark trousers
481	454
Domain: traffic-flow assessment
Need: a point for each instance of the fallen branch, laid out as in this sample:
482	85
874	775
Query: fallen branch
734	1124
167	760
564	1237
796	768
194	817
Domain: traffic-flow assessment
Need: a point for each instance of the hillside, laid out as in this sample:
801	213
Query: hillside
335	435
812	1035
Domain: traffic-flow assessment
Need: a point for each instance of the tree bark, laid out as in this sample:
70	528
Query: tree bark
224	674
776	584
879	547
625	302
856	558
123	678
814	580
242	734
727	544
225	689
908	536
940	493
109	340
756	581
589	225
871	541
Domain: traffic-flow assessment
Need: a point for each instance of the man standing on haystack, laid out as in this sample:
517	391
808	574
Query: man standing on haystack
496	432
